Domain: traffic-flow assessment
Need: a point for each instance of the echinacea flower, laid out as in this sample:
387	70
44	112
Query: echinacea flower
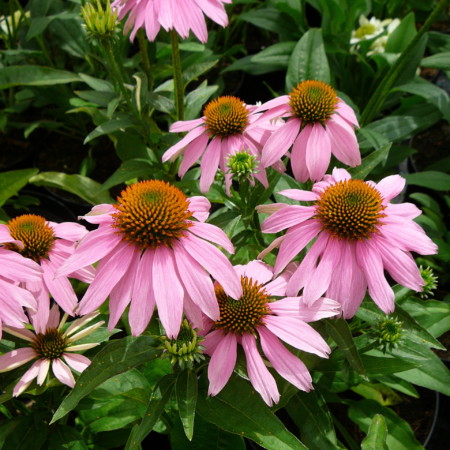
53	347
319	124
49	244
360	234
15	269
228	126
151	251
256	318
182	16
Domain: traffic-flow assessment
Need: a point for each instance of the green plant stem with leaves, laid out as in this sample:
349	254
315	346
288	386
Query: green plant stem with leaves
382	91
143	48
177	75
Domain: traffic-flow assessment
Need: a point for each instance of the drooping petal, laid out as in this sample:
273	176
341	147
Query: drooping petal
287	217
43	371
27	378
63	372
213	234
261	379
209	164
76	361
318	152
16	358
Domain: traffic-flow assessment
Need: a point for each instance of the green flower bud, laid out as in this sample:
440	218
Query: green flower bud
242	165
430	282
389	332
100	22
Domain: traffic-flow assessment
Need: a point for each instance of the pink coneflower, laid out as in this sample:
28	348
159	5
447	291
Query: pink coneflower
152	252
256	318
15	269
359	235
228	126
182	16
319	124
49	244
51	347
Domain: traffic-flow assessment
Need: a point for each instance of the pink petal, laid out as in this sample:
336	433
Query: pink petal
258	271
209	164
68	230
192	154
287	217
5	236
300	195
318	152
222	363
297	307
280	142
185	125
390	187
214	262
17	268
27	378
344	144
298	155
63	373
281	100
298	334
213	234
43	371
100	214
76	361
199	206
168	291
284	362
347	113
340	174
16	358
260	377
407	210
173	152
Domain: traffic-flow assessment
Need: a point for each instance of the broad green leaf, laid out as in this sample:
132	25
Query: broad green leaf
438	61
194	71
186	390
267	18
13	181
277	55
34	76
39	24
400	436
431	179
378	365
308	60
84	187
161	102
310	413
377	435
97	84
371	139
109	127
158	400
239	409
400	38
197	98
64	437
340	332
206	437
132	168
370	162
116	357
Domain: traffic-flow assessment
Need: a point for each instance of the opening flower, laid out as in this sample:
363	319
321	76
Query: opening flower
256	318
319	124
53	347
359	235
47	244
367	29
153	252
182	16
228	127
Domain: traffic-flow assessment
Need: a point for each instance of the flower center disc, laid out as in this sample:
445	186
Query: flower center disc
313	101
350	210
35	234
226	116
243	315
152	213
49	345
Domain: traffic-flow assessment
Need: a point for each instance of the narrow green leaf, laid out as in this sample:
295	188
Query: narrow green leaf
240	410
116	357
194	71
400	436
86	188
13	181
109	127
11	76
431	179
378	365
340	332
310	413
158	400
377	435
400	38
370	162
438	61
308	60
186	391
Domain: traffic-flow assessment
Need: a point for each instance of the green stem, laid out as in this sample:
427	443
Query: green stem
376	101
177	75
145	59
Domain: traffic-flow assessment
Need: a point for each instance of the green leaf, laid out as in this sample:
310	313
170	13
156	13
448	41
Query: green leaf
438	61
197	98
186	392
64	437
310	413
400	436
400	38
431	179
84	187
240	410
109	127
194	71
116	357
132	168
379	365
277	55
11	76
29	434
308	60
340	332
370	162
158	400
13	181
377	435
